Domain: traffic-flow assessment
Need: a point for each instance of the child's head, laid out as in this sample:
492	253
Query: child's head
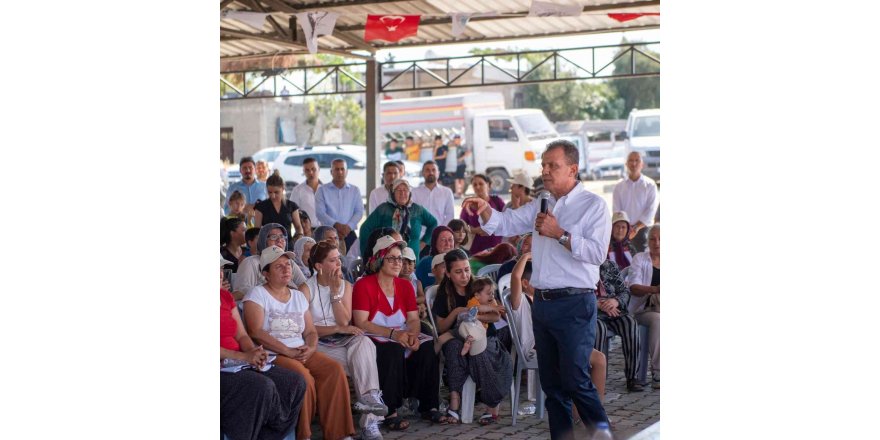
409	263
306	222
251	236
460	232
526	279
438	268
483	289
236	203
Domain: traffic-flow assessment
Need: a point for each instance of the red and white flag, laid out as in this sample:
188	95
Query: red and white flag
391	28
622	17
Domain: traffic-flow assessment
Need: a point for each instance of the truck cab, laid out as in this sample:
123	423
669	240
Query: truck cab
509	140
643	136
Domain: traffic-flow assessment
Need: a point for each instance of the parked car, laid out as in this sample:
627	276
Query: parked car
609	168
271	154
355	156
232	174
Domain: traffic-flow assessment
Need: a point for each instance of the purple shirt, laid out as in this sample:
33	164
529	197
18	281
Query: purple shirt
481	242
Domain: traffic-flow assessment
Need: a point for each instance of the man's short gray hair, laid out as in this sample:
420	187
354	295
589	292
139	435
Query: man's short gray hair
572	156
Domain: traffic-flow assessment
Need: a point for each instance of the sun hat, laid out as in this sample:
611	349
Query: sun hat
619	216
409	254
521	178
476	330
438	259
272	253
386	242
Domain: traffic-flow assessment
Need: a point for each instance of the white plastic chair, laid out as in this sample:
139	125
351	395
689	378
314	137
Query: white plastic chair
469	391
504	283
489	270
521	363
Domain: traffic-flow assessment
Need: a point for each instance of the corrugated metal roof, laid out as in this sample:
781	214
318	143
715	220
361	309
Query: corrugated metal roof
240	39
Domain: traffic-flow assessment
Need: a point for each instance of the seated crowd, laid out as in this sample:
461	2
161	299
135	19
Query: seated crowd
325	303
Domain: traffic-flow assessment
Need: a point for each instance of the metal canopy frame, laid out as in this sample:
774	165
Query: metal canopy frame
442	73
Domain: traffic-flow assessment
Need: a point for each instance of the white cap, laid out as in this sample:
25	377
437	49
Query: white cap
619	216
272	253
385	242
438	259
224	262
521	177
409	254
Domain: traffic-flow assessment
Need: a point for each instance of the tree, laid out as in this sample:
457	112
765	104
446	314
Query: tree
637	92
326	112
563	100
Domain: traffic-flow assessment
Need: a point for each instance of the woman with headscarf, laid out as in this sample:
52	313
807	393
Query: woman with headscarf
249	273
402	215
442	241
301	248
618	248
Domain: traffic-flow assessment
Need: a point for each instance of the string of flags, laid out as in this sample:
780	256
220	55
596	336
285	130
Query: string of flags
392	28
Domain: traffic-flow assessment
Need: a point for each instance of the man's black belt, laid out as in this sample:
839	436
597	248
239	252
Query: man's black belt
551	294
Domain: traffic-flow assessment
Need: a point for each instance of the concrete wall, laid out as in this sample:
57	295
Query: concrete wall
254	122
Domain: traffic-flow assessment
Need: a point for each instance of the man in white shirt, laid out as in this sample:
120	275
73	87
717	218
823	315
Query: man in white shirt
636	195
304	193
569	243
433	196
379	195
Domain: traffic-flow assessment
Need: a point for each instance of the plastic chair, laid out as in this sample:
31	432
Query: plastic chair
504	283
469	391
521	364
490	270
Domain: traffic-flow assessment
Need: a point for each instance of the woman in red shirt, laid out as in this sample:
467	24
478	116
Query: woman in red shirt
253	404
384	306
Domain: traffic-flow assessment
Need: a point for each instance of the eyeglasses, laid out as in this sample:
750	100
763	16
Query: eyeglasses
394	260
277	237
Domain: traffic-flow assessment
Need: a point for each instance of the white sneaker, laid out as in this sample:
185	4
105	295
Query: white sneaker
371	403
371	432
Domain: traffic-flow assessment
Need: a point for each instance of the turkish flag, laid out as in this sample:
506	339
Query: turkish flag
622	17
391	28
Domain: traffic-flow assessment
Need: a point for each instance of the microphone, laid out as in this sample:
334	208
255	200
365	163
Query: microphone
545	204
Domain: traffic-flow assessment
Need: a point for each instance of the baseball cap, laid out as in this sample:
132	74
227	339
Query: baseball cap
438	259
272	253
385	242
522	178
619	216
224	262
409	254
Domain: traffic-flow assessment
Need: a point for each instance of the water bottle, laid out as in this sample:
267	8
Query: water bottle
603	432
526	409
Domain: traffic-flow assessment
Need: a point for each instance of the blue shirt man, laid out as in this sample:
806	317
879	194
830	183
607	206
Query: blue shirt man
339	204
252	189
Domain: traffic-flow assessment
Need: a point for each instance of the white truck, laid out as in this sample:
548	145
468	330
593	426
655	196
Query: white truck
643	136
500	140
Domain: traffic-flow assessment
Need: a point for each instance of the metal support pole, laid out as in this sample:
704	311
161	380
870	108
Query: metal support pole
372	108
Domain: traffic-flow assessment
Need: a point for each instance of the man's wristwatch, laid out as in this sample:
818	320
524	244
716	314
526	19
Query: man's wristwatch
566	237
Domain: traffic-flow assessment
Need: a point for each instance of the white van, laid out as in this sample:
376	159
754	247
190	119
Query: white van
501	141
643	136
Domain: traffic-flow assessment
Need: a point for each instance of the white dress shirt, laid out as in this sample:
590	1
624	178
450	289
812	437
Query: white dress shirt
304	197
582	214
640	272
637	199
377	197
438	201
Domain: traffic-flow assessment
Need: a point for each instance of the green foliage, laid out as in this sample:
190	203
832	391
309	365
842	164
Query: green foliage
564	100
637	92
327	112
